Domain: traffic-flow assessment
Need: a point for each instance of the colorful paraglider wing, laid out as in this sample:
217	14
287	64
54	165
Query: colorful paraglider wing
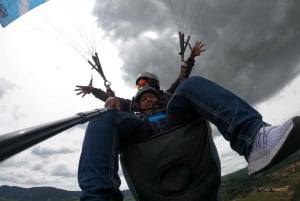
12	9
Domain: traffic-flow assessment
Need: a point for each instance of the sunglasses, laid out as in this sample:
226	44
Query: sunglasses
141	83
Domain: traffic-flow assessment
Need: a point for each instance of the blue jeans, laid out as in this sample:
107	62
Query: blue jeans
236	120
98	176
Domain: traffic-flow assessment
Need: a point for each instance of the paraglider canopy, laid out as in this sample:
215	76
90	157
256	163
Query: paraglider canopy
12	9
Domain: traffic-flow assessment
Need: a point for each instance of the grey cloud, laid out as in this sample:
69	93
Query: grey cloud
19	179
46	151
125	20
62	170
1	92
5	86
252	46
38	166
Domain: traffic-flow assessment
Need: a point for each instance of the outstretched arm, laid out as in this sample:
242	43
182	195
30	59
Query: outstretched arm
84	90
98	93
197	49
186	69
108	97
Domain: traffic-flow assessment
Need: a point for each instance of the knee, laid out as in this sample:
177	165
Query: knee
194	79
194	82
104	118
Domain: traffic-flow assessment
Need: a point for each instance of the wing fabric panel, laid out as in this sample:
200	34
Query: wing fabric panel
10	10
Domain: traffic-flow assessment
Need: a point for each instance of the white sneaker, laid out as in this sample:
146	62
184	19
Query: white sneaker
273	144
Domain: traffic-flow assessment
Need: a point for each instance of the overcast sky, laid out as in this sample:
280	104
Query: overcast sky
252	48
247	41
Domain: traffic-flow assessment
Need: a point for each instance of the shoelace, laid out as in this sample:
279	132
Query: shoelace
263	134
262	140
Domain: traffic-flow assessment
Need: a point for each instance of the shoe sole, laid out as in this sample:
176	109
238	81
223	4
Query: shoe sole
289	144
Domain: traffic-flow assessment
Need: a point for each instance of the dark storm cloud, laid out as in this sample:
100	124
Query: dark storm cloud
252	46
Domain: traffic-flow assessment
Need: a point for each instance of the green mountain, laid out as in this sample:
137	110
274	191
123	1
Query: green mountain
13	193
279	183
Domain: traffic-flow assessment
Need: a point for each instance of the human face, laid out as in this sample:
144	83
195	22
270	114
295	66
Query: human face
147	101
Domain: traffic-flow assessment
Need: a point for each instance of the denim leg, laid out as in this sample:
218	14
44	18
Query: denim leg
237	121
98	165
